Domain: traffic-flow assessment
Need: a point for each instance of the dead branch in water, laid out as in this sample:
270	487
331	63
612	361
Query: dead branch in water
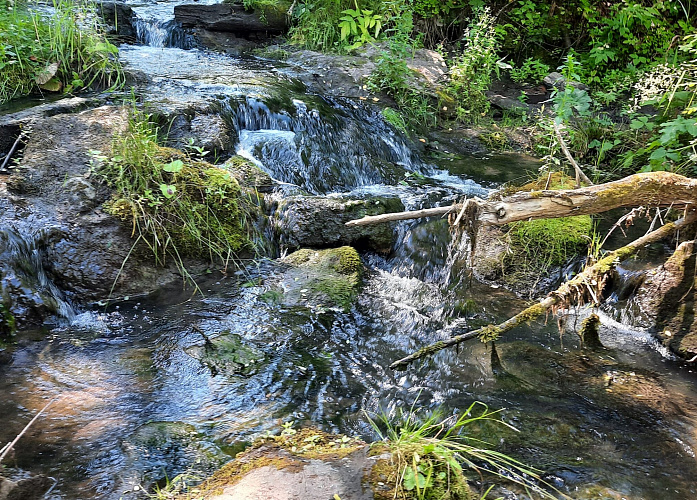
9	446
585	287
655	189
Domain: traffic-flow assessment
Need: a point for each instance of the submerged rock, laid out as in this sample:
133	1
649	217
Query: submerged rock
319	221
157	451
317	278
666	301
31	488
227	354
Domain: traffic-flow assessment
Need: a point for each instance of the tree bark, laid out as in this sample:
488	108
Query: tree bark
586	286
646	189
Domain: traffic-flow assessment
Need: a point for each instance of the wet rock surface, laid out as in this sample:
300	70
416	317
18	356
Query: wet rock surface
307	464
666	303
319	278
117	16
31	488
227	354
57	240
231	18
319	222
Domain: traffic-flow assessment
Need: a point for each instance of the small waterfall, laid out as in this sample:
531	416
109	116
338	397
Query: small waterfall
322	146
161	33
23	267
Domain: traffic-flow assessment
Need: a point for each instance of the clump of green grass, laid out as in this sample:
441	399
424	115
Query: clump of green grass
429	456
61	52
176	205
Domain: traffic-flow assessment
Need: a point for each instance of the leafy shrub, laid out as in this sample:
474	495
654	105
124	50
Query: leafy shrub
322	24
531	71
471	71
64	51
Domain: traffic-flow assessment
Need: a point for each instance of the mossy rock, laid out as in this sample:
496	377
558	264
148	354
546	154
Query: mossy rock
320	222
667	301
227	354
205	213
249	175
329	460
329	277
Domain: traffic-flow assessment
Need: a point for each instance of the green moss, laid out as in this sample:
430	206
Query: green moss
177	205
332	275
550	242
589	332
8	324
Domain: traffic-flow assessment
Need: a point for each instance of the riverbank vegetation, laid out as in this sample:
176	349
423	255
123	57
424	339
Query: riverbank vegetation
57	48
625	97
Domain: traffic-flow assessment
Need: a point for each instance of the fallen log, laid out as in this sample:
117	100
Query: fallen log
653	189
586	285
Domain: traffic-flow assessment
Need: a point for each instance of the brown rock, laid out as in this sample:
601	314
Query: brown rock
666	301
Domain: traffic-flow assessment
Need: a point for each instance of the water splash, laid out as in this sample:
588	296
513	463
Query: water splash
161	33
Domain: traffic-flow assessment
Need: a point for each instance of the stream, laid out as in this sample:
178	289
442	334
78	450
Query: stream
132	405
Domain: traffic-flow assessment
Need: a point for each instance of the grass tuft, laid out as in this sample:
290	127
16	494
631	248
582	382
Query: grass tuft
178	206
428	456
61	51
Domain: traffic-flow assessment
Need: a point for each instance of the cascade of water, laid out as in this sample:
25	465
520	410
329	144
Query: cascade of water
156	32
24	253
323	146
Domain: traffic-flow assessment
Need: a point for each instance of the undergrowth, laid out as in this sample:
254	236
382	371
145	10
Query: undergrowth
63	51
429	456
176	205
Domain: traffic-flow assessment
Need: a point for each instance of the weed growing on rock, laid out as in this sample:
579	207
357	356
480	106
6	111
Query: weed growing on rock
428	456
176	205
471	72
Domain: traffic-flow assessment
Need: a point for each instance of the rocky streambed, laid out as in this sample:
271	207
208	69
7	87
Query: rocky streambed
162	381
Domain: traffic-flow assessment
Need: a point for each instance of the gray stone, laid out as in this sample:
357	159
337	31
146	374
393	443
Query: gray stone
319	222
117	16
229	18
558	81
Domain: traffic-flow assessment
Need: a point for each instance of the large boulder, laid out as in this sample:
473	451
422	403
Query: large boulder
320	222
665	301
232	18
56	242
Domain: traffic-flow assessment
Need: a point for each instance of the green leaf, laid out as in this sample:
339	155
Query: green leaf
173	166
53	85
168	190
409	481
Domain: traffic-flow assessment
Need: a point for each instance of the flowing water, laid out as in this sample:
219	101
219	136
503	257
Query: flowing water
134	403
